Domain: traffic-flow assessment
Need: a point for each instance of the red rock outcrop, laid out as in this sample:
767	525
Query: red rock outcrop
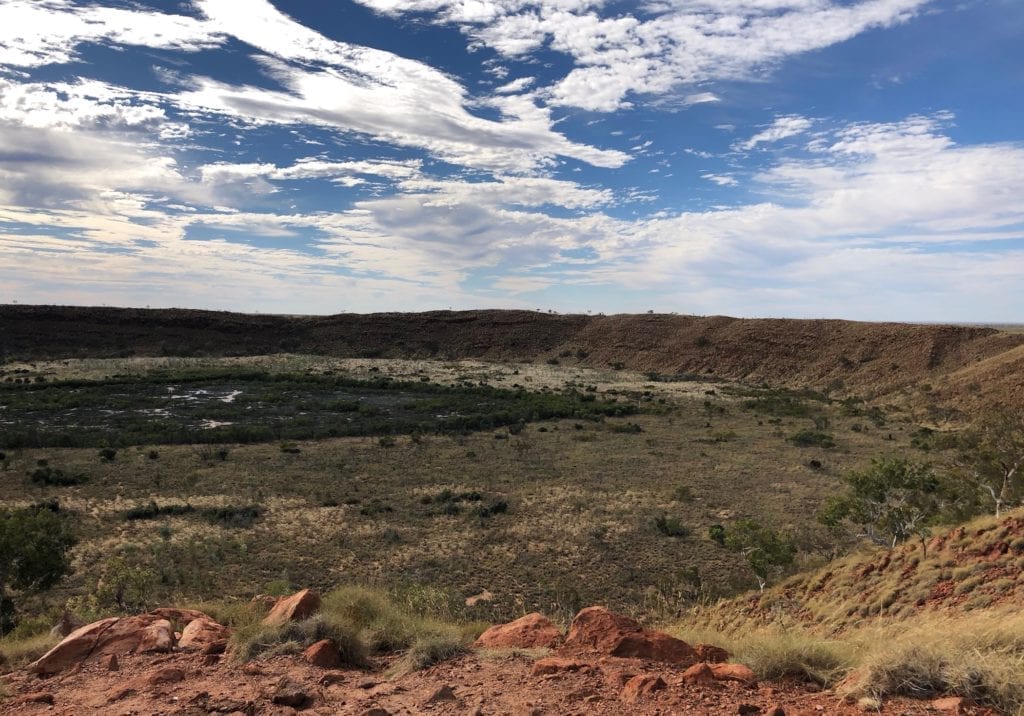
157	637
115	635
598	629
200	633
323	654
532	631
640	686
297	607
704	673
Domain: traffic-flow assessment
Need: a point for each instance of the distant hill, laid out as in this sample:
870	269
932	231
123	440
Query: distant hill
953	371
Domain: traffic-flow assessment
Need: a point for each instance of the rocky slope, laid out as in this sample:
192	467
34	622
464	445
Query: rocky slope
973	567
605	664
948	368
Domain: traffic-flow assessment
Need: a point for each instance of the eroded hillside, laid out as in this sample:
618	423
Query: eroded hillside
946	372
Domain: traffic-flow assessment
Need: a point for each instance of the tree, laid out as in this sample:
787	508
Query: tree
764	548
994	458
891	501
33	555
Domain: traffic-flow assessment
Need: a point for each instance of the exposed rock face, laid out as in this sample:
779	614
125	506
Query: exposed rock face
297	607
734	672
532	631
655	646
157	637
200	633
144	632
323	654
699	674
640	686
704	673
598	629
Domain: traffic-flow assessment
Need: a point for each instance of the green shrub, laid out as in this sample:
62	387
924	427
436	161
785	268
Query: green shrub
670	526
376	507
243	516
153	510
498	507
47	475
812	438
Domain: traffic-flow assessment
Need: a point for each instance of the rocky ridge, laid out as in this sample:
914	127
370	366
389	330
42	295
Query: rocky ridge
966	369
605	664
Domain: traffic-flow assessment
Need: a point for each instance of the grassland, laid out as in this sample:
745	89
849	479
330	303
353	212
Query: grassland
543	511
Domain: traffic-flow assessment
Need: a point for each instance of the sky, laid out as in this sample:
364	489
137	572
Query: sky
859	159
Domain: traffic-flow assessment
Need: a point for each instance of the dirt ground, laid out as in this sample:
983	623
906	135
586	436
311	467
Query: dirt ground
480	683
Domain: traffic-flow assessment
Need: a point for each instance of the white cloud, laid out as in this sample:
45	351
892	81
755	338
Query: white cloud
515	86
344	87
673	44
43	32
80	104
782	128
377	93
720	179
310	168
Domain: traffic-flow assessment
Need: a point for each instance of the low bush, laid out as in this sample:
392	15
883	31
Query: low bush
812	438
56	477
670	526
231	516
153	510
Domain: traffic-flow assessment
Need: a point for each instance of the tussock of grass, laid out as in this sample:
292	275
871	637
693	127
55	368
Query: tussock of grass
776	652
259	640
430	649
16	652
775	655
236	615
979	656
360	621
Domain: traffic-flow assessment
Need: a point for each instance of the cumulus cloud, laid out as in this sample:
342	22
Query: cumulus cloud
671	44
79	104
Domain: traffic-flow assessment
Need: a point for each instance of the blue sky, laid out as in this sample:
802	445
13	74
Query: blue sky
856	159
